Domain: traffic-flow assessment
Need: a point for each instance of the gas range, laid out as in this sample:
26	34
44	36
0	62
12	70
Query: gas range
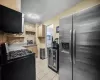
18	53
9	52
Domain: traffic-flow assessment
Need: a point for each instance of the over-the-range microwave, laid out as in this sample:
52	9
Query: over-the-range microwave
11	21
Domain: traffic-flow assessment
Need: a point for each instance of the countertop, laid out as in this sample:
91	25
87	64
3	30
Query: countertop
29	45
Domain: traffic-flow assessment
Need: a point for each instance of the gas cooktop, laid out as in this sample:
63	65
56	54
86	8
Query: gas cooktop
18	53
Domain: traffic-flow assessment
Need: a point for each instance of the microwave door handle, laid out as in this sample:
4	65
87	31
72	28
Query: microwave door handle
74	46
70	46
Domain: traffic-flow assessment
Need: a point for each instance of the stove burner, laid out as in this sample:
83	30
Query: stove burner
18	53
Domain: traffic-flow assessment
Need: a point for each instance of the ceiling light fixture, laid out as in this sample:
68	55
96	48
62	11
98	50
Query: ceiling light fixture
33	16
29	15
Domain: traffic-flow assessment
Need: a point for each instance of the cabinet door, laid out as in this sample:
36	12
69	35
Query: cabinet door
21	69
65	52
35	50
30	48
87	53
29	28
41	31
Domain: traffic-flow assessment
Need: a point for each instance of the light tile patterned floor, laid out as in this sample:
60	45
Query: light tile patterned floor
43	72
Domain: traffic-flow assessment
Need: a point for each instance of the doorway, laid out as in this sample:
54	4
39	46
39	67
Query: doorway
49	36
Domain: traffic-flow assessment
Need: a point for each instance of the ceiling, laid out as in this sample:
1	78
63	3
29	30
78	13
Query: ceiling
46	9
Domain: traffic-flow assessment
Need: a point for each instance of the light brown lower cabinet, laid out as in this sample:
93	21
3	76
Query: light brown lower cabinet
33	49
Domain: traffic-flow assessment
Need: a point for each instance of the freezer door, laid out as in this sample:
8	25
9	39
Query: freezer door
87	44
65	46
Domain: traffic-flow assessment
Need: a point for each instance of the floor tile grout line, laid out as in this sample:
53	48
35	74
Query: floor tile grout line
38	78
44	62
54	76
40	72
45	75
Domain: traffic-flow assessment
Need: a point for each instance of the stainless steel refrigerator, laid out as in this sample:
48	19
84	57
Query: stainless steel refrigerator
79	50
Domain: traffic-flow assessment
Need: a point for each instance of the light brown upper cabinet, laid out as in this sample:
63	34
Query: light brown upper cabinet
41	31
30	28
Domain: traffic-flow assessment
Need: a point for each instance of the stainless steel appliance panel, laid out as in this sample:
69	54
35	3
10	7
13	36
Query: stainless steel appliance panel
50	59
86	38
65	46
54	56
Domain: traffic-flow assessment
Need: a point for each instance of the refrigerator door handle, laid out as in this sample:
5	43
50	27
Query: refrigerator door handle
74	46
70	47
